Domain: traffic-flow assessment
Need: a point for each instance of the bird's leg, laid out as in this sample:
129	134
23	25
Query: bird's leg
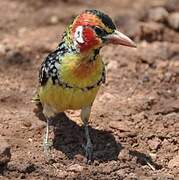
89	145
46	144
85	113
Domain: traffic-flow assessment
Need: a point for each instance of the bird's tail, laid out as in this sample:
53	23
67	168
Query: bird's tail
39	109
36	98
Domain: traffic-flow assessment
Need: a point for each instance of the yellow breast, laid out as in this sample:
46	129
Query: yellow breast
81	72
78	74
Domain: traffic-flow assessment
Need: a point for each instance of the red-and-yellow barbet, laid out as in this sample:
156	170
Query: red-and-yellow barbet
71	76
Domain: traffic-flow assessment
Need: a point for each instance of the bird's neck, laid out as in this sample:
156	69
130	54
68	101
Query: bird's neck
89	55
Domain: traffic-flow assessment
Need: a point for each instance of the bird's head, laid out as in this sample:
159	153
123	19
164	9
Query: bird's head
93	29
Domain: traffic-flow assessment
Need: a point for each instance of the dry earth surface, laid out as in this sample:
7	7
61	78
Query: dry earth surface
135	118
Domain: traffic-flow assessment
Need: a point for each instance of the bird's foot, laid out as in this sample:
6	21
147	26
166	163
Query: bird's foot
47	145
88	152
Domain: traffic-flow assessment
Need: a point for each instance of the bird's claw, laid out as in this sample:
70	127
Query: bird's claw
47	147
88	152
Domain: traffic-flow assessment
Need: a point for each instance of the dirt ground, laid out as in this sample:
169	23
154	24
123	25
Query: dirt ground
135	117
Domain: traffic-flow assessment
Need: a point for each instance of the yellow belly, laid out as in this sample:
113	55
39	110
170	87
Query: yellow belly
60	99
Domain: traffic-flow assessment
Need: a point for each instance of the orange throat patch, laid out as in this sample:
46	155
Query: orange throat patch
85	69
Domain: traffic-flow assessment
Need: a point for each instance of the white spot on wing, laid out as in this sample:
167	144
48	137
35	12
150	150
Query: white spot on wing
57	65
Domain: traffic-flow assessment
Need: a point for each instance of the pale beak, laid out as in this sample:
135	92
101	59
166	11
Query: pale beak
119	38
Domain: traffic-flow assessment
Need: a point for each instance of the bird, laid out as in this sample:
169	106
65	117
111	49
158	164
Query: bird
71	75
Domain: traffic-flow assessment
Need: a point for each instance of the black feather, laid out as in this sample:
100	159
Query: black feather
104	18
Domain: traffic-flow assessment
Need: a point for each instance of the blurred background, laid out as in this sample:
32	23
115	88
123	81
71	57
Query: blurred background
135	116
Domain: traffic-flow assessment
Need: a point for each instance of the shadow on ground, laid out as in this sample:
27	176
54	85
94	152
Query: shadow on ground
145	159
69	138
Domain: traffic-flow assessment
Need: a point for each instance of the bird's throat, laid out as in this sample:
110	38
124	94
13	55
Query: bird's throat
87	64
82	69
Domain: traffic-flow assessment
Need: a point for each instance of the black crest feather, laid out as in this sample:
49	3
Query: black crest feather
104	18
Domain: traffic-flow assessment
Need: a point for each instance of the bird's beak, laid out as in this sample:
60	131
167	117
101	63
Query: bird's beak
119	38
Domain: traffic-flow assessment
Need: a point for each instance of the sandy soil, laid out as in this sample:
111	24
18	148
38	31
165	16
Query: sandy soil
135	118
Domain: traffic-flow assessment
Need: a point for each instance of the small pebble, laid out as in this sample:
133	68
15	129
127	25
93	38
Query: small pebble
172	5
154	143
2	49
27	123
158	14
79	157
173	21
120	125
151	31
75	168
54	20
62	174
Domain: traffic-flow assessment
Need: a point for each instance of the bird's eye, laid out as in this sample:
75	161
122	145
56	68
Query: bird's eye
100	32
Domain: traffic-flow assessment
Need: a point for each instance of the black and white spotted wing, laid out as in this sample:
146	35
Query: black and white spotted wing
50	66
